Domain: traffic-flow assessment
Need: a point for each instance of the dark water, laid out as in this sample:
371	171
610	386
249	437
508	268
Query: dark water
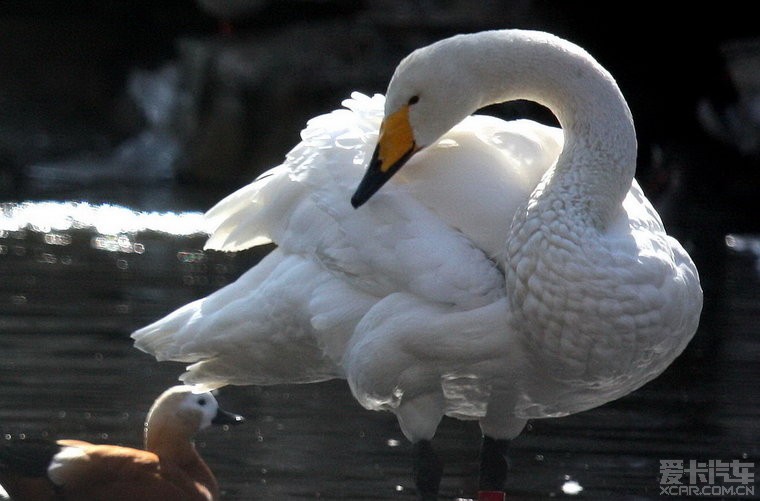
70	295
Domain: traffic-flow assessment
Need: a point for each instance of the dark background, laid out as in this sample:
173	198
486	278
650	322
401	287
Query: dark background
249	80
246	81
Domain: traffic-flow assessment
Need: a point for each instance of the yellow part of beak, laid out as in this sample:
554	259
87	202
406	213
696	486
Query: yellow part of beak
395	146
396	139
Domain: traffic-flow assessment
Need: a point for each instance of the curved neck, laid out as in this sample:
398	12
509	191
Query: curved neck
163	438
598	161
171	443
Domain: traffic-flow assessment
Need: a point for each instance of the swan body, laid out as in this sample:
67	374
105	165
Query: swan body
509	271
333	264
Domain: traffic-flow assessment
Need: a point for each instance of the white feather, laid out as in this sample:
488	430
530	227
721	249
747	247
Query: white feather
509	271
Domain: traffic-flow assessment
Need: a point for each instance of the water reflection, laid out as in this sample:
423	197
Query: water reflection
571	487
46	217
73	287
745	244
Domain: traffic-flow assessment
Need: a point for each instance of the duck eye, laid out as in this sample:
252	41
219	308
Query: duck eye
413	100
201	402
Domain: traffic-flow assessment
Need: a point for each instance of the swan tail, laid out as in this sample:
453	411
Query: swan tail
160	338
181	335
258	329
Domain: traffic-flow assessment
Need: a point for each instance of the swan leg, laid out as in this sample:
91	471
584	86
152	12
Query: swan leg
493	464
428	471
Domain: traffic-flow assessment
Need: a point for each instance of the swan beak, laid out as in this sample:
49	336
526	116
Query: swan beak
395	146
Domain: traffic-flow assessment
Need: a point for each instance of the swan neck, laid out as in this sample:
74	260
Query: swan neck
598	160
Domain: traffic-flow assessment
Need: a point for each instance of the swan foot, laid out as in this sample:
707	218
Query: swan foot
493	465
428	471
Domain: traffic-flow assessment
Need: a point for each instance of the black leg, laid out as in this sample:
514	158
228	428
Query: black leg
427	471
493	464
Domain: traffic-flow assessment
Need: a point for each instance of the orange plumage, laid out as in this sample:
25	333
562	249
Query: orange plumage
169	469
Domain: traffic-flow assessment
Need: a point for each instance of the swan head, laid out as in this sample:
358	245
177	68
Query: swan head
430	93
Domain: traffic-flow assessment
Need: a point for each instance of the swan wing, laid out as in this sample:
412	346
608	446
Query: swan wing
303	206
479	174
331	265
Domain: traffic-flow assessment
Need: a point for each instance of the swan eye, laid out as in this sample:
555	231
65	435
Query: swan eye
202	402
413	100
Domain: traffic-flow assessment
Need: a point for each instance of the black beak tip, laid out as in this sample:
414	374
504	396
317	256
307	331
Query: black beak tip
374	178
356	201
223	417
370	183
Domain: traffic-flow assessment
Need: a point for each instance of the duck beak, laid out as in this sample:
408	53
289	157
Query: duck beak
395	146
223	417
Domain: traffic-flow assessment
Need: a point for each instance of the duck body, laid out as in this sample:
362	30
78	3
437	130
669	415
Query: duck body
496	271
170	468
102	472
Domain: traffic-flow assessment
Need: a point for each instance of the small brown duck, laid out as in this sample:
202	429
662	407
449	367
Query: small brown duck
169	469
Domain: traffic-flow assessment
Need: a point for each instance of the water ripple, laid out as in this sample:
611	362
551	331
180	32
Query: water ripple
49	217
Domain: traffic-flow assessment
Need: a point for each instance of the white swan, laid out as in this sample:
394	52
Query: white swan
509	272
